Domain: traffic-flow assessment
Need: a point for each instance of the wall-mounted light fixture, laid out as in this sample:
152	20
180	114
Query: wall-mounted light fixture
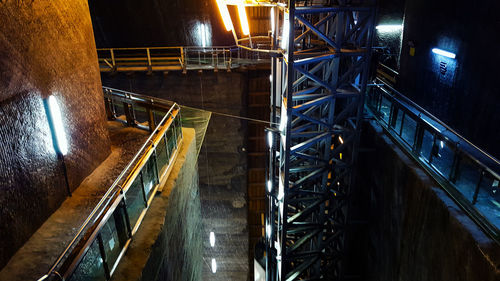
59	139
214	266
212	239
389	27
56	126
444	53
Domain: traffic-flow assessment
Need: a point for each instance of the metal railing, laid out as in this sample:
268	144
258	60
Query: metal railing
176	58
467	173
101	241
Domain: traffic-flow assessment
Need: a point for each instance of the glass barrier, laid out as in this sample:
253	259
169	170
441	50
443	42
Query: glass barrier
98	246
468	174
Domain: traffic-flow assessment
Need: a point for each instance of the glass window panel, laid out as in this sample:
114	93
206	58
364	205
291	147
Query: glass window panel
110	234
158	116
91	267
162	154
141	114
149	175
135	201
119	111
399	119
443	160
171	140
385	109
409	130
488	200
427	143
467	177
178	125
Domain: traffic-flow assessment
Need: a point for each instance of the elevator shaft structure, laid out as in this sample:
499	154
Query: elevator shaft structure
319	77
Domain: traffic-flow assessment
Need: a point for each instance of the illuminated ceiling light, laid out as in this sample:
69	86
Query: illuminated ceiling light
269	186
212	239
224	12
270	139
286	30
443	53
268	230
56	125
243	19
272	20
214	266
389	27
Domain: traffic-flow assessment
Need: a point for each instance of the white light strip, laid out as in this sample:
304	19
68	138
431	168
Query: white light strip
286	30
55	114
443	53
243	20
268	230
270	139
389	27
224	13
269	186
272	20
212	239
214	266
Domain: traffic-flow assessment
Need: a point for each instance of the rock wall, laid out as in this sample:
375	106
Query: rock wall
462	92
414	231
46	48
222	161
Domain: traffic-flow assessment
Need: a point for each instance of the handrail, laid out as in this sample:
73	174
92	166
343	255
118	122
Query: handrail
467	173
108	203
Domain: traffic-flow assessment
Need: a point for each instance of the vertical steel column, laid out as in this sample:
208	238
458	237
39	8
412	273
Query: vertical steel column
318	85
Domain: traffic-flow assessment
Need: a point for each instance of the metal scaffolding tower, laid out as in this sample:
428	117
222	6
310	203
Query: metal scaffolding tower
319	77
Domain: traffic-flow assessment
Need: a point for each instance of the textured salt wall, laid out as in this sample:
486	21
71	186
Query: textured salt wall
46	47
414	231
222	161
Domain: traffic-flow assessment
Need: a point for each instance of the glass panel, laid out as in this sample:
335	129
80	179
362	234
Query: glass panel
141	115
409	130
399	119
488	200
443	159
427	143
149	175
385	109
158	116
162	155
171	140
119	111
135	201
372	98
178	125
110	234
467	178
91	266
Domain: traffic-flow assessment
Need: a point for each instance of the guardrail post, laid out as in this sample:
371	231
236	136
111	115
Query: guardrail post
150	67
109	108
127	108
151	119
113	62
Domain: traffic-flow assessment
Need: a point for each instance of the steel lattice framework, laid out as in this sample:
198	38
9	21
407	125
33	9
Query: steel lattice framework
318	81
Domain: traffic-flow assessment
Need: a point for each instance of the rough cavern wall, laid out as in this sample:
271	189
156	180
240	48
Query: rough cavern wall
415	231
46	48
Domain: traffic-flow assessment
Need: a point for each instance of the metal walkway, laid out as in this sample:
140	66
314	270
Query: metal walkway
177	58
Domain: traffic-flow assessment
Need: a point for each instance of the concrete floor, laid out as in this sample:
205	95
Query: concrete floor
37	255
